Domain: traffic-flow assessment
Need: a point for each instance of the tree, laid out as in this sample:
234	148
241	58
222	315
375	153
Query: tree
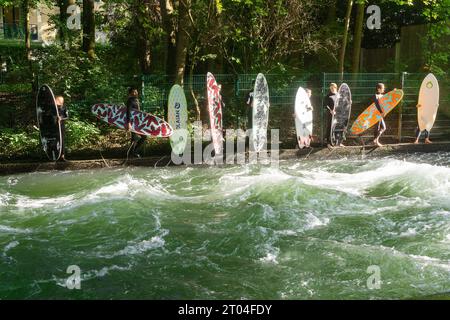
182	39
169	27
359	24
345	36
62	5
264	35
89	28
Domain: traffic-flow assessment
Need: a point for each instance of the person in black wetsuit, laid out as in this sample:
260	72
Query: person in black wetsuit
381	124
249	103
133	104
63	115
329	104
418	132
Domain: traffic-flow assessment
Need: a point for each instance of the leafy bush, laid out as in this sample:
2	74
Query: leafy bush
80	134
19	142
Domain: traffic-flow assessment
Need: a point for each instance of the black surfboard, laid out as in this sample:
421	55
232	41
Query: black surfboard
340	120
48	122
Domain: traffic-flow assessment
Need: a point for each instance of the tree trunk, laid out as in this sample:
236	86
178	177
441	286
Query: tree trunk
345	37
358	37
145	55
62	4
182	40
26	27
167	12
144	48
191	89
89	28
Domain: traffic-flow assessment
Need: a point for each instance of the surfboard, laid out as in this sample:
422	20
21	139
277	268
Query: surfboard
372	116
340	119
303	118
141	122
215	112
48	123
260	112
429	101
177	117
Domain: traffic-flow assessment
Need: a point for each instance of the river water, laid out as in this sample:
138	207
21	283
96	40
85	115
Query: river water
331	229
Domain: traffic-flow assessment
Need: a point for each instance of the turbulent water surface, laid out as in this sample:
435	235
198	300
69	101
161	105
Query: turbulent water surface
304	230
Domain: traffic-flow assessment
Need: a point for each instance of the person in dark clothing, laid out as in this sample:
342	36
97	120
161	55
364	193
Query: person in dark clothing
381	124
133	104
329	104
63	115
249	103
418	132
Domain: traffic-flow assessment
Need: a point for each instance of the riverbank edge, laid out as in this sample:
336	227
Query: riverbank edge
284	154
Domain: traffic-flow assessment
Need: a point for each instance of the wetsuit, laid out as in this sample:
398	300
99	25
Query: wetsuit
418	133
250	109
64	114
136	139
329	104
381	124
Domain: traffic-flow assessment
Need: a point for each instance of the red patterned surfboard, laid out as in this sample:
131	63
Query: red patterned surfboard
215	112
141	122
371	115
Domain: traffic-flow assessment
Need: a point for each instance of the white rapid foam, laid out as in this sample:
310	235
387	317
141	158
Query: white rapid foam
37	203
143	246
238	182
5	198
10	246
7	229
435	178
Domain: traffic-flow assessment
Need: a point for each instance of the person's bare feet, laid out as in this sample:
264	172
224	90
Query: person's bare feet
341	145
377	143
428	141
416	142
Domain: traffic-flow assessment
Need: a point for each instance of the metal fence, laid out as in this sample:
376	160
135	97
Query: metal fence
11	31
401	122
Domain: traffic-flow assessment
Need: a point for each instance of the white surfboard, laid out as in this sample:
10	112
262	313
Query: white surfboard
429	102
303	118
260	112
178	119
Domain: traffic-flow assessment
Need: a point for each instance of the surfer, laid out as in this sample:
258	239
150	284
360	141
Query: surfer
63	115
133	104
329	104
418	132
381	124
309	108
249	103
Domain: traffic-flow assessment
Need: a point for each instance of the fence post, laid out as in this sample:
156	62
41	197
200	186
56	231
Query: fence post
400	109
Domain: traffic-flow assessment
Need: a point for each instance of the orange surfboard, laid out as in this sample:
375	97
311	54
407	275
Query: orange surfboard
372	116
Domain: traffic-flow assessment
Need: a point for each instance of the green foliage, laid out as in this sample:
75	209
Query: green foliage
80	134
438	49
18	142
88	80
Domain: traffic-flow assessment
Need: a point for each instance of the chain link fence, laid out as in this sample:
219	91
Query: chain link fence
401	122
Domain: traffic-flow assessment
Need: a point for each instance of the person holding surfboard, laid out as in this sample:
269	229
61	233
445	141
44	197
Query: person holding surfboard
63	115
133	104
381	128
427	106
309	108
419	133
249	103
329	104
